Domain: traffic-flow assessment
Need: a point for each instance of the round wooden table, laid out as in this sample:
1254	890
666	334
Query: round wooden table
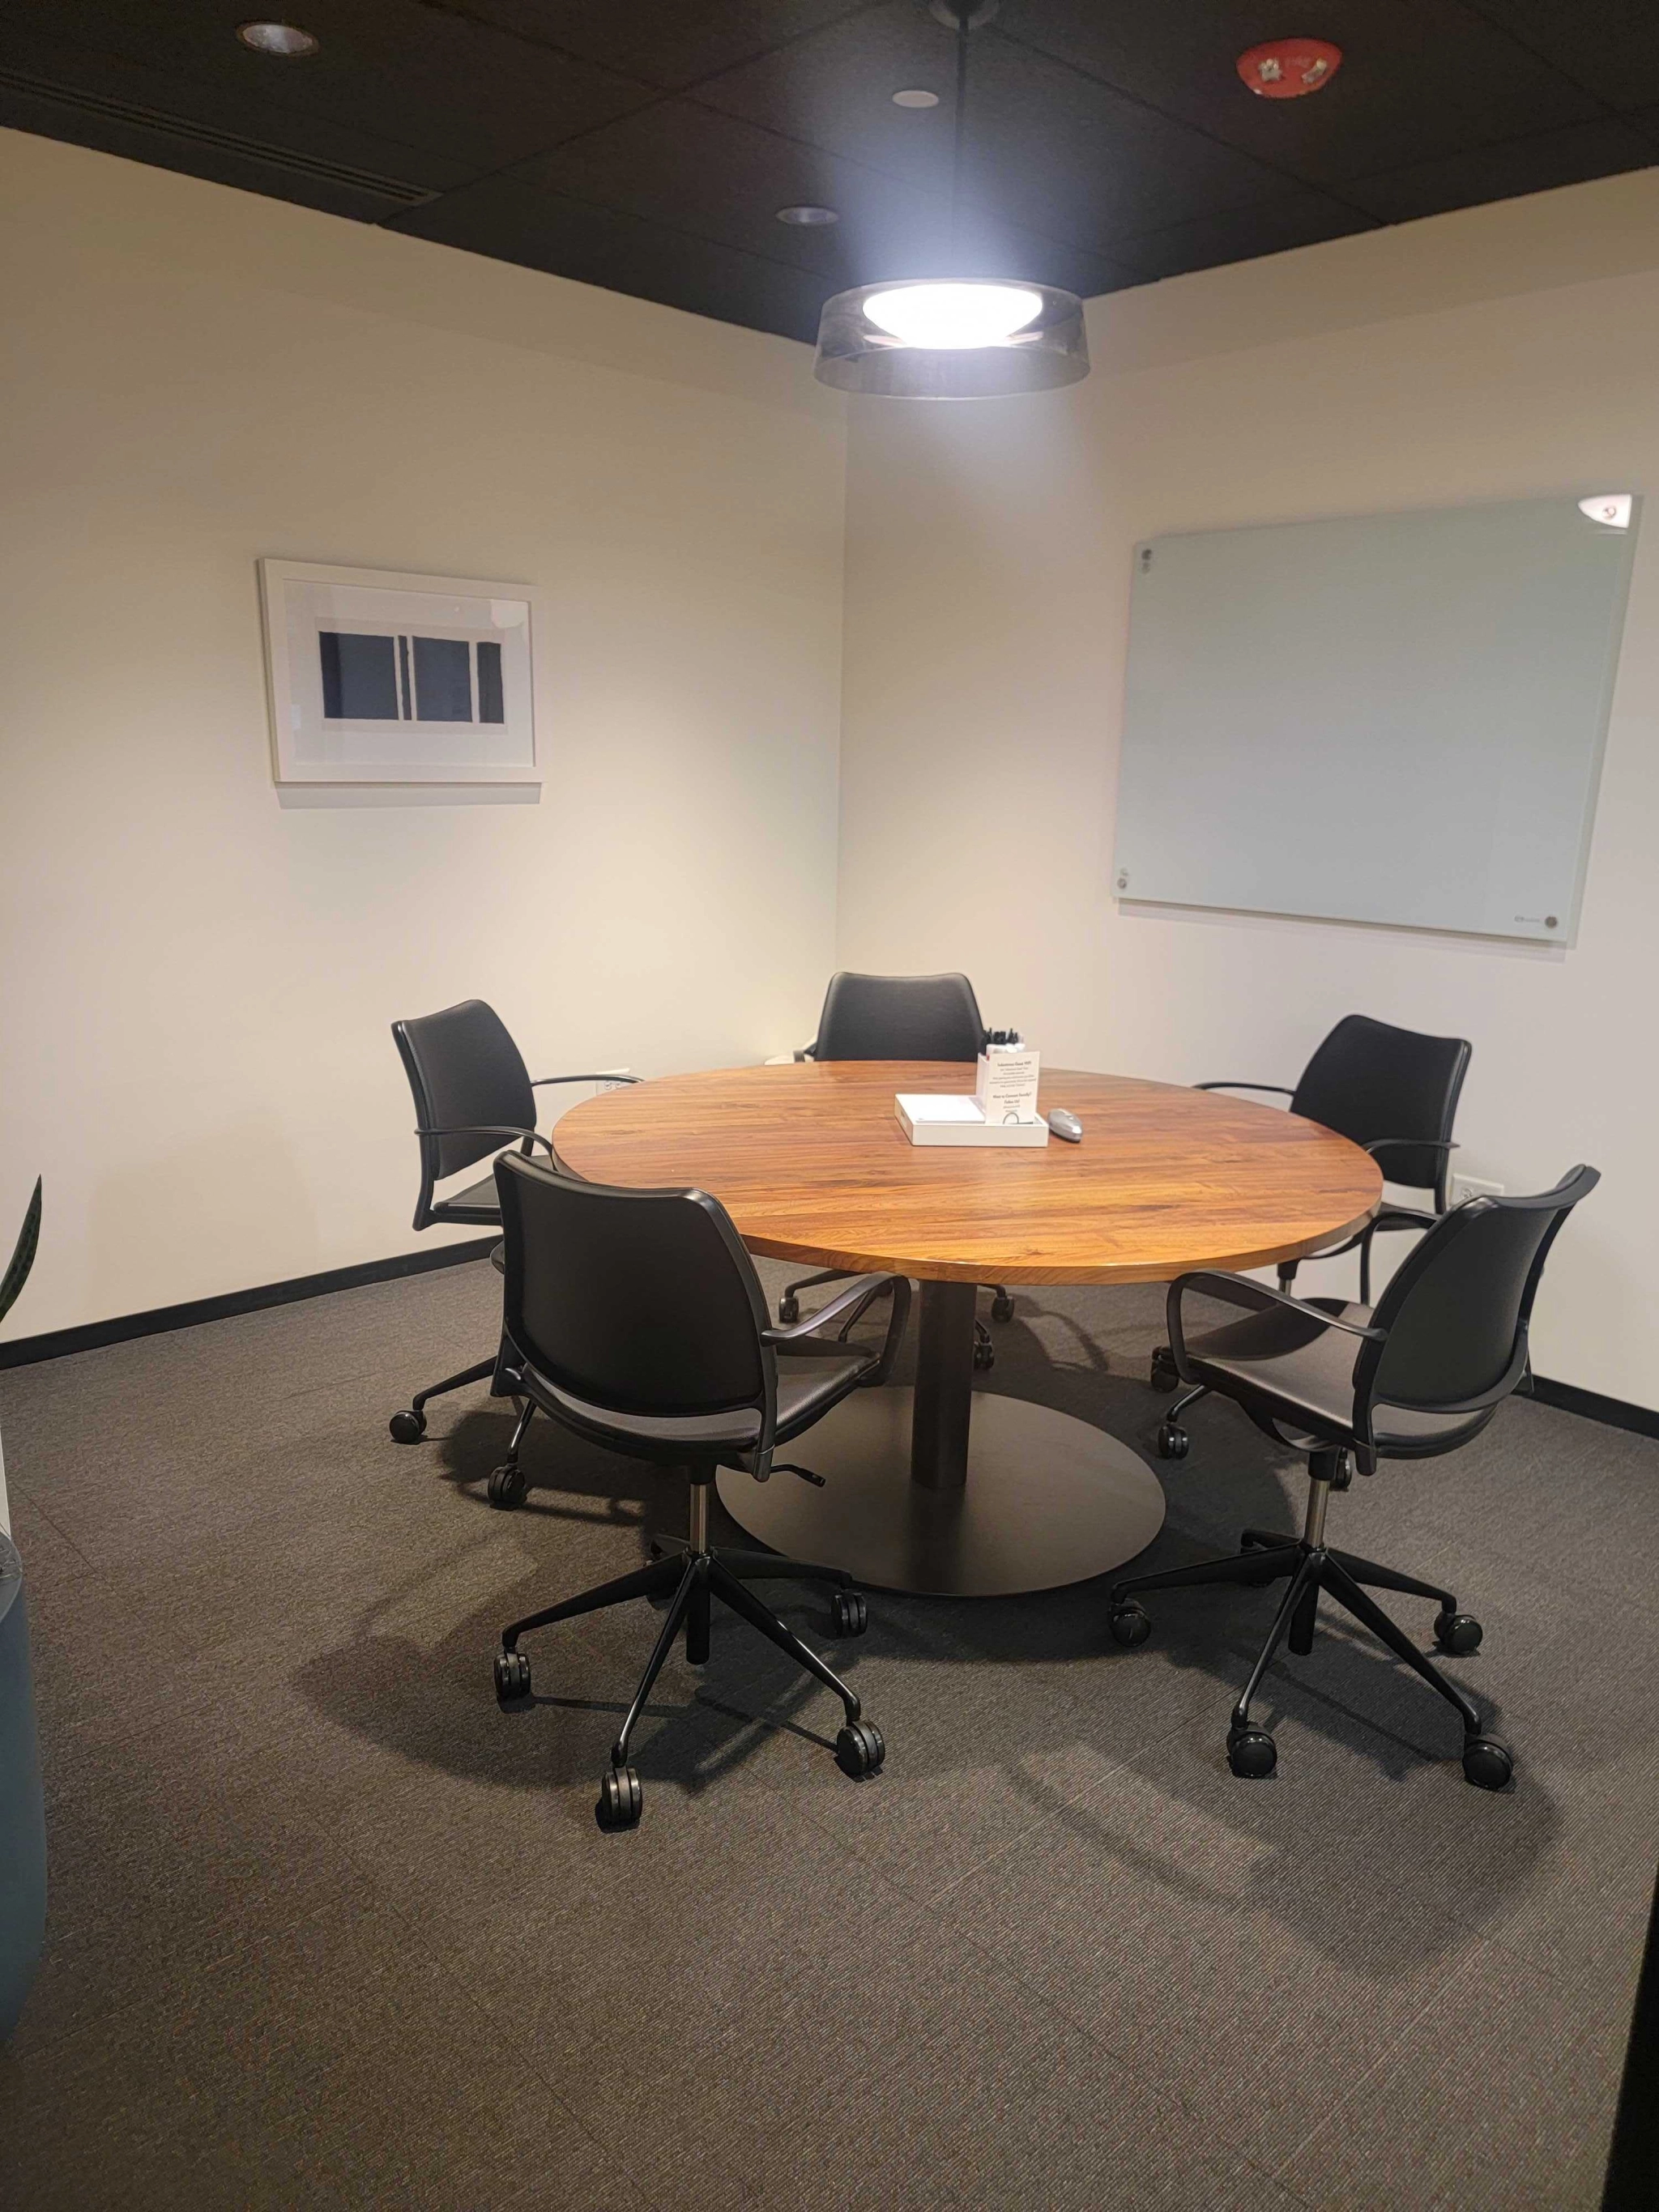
943	1489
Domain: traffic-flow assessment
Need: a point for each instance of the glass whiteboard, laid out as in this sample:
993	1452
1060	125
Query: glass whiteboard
1387	717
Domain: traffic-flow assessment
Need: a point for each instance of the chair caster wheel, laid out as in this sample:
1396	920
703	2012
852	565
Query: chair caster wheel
860	1749
1251	1753
506	1486
1457	1633
1486	1764
621	1799
407	1427
1002	1306
511	1676
985	1359
848	1613
1172	1441
1164	1375
1131	1623
788	1310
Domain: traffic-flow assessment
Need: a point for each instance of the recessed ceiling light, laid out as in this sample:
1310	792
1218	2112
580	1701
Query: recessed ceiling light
915	97
808	218
286	41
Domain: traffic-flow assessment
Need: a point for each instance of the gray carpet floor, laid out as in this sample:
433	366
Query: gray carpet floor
329	1927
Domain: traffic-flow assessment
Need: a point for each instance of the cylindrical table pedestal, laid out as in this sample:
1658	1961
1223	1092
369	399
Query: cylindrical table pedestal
946	1491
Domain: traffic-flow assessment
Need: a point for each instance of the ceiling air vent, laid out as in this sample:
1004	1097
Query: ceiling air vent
138	117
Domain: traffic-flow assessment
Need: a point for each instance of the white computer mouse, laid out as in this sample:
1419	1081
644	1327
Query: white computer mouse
1066	1125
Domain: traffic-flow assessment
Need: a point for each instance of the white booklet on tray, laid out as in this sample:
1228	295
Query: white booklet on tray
946	1118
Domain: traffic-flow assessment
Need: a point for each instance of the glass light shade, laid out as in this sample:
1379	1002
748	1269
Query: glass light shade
952	339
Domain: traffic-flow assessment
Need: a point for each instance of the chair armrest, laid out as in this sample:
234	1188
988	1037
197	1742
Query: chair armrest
1278	1090
530	1137
858	1292
541	1082
1397	1216
1254	1298
807	1051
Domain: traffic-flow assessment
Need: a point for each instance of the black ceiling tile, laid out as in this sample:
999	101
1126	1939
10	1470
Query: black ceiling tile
233	136
1537	164
1301	218
724	179
1419	78
1070	156
836	89
1611	46
394	68
512	221
668	43
683	166
1050	148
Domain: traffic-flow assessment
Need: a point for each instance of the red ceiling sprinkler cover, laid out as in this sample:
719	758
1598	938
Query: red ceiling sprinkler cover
1285	69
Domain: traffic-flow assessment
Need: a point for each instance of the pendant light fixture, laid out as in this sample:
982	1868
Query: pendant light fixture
954	337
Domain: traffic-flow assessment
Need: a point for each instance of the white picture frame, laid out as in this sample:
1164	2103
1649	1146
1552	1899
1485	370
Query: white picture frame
378	677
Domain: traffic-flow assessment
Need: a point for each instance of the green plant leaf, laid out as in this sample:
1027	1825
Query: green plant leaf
22	1258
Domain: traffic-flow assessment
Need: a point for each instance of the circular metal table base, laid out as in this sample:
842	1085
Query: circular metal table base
1049	1500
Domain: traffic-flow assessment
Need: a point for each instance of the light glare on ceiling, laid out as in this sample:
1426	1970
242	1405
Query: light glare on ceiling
808	218
913	96
285	41
944	317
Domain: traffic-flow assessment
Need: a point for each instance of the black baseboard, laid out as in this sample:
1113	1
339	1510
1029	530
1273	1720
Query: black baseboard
58	1343
1611	1413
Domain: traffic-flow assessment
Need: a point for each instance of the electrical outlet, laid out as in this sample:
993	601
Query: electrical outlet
1466	1186
557	1102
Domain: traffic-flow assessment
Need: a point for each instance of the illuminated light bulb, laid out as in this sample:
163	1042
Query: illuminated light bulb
949	317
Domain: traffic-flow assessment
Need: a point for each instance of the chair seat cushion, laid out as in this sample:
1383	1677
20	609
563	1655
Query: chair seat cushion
807	1386
1307	1372
480	1203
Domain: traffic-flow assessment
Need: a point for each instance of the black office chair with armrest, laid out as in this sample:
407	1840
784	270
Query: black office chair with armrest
1349	1388
472	1094
1392	1091
635	1318
899	1018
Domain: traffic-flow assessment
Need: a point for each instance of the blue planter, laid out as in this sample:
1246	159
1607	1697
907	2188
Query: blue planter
22	1811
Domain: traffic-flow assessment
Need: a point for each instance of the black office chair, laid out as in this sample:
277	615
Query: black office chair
473	1092
1349	1387
899	1018
635	1318
1392	1091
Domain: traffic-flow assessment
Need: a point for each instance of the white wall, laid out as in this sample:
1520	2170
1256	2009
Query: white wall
988	585
197	982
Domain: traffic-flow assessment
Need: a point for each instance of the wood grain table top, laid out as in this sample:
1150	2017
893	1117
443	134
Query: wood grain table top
811	1164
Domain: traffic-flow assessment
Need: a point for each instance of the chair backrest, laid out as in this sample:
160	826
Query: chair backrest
636	1301
1369	1079
466	1072
1458	1308
899	1018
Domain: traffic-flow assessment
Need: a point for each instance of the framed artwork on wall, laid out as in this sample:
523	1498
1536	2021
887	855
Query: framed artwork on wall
376	677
